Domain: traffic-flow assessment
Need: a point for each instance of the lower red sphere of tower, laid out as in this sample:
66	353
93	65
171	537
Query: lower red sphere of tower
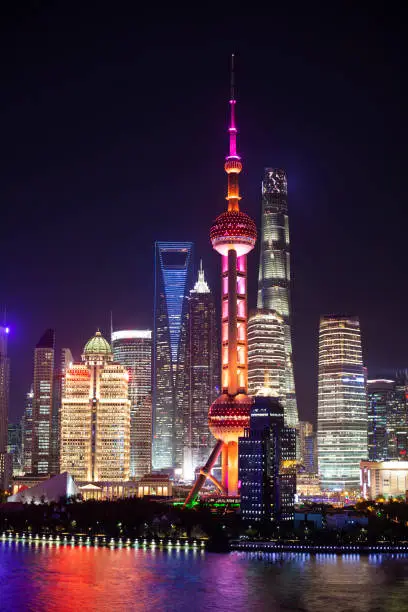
228	416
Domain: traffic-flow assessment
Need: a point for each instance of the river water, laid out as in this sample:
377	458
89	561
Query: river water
66	579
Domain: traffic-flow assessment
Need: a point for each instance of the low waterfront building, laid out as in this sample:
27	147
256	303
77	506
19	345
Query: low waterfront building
383	478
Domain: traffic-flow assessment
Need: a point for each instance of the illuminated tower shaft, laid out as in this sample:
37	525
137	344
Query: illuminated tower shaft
233	235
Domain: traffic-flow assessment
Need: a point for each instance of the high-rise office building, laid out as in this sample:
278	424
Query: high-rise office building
274	273
15	447
267	465
5	460
173	279
382	411
342	405
42	403
308	447
95	417
233	236
65	361
202	375
400	417
133	350
266	353
28	433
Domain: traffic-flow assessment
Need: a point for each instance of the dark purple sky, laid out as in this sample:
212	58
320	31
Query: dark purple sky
113	135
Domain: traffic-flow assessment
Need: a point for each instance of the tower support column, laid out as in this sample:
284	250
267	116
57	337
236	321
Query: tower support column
232	323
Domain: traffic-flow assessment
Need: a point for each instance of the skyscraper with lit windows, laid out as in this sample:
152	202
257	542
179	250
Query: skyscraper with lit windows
95	417
42	403
5	460
202	375
266	353
342	403
173	280
65	361
267	458
28	432
133	349
274	273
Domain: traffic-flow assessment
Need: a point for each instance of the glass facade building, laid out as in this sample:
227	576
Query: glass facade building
342	403
4	406
65	361
173	280
28	432
202	375
266	353
133	350
382	426
42	403
267	465
274	272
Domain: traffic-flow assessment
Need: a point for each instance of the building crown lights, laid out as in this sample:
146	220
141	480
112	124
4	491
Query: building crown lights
201	285
130	334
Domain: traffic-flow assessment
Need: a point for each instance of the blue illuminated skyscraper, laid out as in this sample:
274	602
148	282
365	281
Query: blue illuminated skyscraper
173	280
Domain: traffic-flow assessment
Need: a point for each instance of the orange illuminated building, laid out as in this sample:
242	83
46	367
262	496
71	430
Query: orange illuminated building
233	235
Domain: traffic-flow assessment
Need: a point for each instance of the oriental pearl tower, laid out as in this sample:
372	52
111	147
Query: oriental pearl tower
233	235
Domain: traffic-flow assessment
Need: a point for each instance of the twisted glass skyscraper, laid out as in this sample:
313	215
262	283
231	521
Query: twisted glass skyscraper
342	407
173	280
274	272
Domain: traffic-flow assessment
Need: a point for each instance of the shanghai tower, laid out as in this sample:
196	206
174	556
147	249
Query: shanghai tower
274	272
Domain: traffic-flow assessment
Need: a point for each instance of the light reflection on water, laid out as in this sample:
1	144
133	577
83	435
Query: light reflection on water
85	578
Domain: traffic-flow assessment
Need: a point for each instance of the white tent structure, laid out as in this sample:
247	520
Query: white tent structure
50	490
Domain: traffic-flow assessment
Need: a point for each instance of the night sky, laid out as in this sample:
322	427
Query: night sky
113	135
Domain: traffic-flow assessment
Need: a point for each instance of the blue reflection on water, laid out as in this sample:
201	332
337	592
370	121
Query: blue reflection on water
65	578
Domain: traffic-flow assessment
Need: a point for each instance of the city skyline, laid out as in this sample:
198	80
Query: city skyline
331	145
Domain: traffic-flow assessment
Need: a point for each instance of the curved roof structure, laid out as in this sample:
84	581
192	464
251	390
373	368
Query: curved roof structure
97	345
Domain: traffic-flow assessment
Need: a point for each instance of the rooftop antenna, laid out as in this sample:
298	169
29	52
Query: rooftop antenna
111	325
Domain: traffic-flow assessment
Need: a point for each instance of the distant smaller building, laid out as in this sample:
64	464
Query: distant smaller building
267	464
15	447
158	485
383	478
307	485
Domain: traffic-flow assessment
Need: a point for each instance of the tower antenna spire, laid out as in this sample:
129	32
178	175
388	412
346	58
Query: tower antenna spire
232	76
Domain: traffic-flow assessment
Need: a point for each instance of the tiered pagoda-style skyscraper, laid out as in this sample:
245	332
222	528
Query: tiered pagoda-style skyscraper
202	375
233	235
274	274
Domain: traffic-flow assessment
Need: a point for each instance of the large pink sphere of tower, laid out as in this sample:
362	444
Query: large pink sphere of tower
233	230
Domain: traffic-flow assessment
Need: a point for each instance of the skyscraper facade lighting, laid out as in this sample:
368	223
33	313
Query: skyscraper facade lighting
342	407
5	461
28	432
274	272
267	459
381	407
42	403
266	353
64	362
202	375
173	280
95	417
133	350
